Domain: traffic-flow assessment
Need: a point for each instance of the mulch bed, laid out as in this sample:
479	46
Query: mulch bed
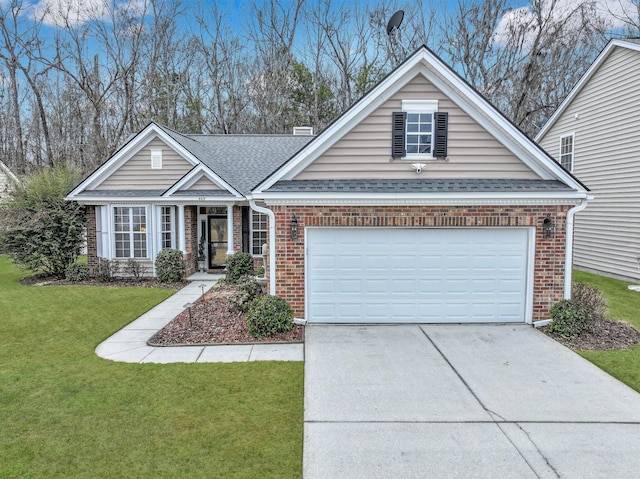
606	335
42	280
211	322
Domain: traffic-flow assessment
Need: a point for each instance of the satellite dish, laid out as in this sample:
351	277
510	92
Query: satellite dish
395	22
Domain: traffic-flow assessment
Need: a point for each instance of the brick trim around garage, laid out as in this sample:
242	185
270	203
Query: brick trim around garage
548	282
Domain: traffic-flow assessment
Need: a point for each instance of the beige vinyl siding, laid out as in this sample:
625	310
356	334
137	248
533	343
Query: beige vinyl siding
136	173
365	151
204	183
607	161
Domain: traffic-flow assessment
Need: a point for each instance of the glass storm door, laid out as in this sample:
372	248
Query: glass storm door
217	240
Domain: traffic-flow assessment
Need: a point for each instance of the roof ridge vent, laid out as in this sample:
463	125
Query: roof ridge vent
303	130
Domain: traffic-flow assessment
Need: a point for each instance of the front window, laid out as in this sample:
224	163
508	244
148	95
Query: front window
566	152
130	224
258	232
166	225
419	128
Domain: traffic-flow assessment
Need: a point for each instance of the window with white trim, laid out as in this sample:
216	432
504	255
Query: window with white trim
166	227
130	225
259	232
419	128
566	151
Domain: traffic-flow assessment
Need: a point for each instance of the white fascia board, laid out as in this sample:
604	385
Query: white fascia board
9	173
180	200
604	54
461	199
126	152
188	180
475	105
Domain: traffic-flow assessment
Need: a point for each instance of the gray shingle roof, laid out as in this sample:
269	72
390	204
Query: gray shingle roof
243	161
418	186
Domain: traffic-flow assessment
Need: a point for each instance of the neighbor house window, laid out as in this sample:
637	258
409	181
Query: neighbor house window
566	152
130	224
166	227
258	232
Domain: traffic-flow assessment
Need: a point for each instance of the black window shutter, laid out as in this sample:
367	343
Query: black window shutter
442	122
398	149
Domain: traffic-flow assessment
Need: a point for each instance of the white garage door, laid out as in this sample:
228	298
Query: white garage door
404	275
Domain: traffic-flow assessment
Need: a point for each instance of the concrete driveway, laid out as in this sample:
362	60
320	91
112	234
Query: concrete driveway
489	401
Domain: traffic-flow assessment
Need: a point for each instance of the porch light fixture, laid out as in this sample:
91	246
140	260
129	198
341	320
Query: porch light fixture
548	227
294	228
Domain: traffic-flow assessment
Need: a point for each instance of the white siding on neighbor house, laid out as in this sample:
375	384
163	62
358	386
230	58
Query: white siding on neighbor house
136	173
605	117
5	184
364	152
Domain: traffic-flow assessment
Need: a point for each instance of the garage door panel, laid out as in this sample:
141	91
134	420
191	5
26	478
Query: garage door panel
416	275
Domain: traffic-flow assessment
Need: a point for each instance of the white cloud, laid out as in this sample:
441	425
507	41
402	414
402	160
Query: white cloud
60	13
610	12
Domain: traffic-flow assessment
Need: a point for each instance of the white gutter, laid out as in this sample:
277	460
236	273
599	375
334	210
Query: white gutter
568	263
272	244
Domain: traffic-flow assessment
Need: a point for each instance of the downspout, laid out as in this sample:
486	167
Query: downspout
568	263
272	244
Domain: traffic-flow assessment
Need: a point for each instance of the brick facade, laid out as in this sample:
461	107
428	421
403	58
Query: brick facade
92	242
548	282
191	239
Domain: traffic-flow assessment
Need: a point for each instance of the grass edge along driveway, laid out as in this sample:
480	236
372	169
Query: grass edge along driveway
624	305
64	412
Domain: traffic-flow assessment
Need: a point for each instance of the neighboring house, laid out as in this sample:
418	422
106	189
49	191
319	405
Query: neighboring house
421	203
595	134
8	180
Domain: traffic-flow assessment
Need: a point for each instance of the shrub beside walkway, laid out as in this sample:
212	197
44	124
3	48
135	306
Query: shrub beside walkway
129	345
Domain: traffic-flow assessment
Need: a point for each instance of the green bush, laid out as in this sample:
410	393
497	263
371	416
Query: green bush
170	266
239	265
570	318
107	269
591	298
39	229
77	272
247	289
134	269
260	271
269	315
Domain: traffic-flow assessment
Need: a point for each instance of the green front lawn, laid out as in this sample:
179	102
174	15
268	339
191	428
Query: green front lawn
66	413
624	305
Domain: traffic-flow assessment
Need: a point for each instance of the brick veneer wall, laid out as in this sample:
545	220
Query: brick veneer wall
92	242
191	239
548	281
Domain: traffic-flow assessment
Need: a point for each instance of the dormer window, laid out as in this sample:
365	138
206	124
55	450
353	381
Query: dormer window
419	131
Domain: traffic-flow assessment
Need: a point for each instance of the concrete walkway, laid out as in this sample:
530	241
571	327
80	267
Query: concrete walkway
456	401
129	345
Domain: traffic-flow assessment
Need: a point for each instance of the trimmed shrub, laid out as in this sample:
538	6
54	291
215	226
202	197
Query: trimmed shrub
570	318
170	266
260	272
591	298
269	315
134	269
77	272
239	265
247	289
106	269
